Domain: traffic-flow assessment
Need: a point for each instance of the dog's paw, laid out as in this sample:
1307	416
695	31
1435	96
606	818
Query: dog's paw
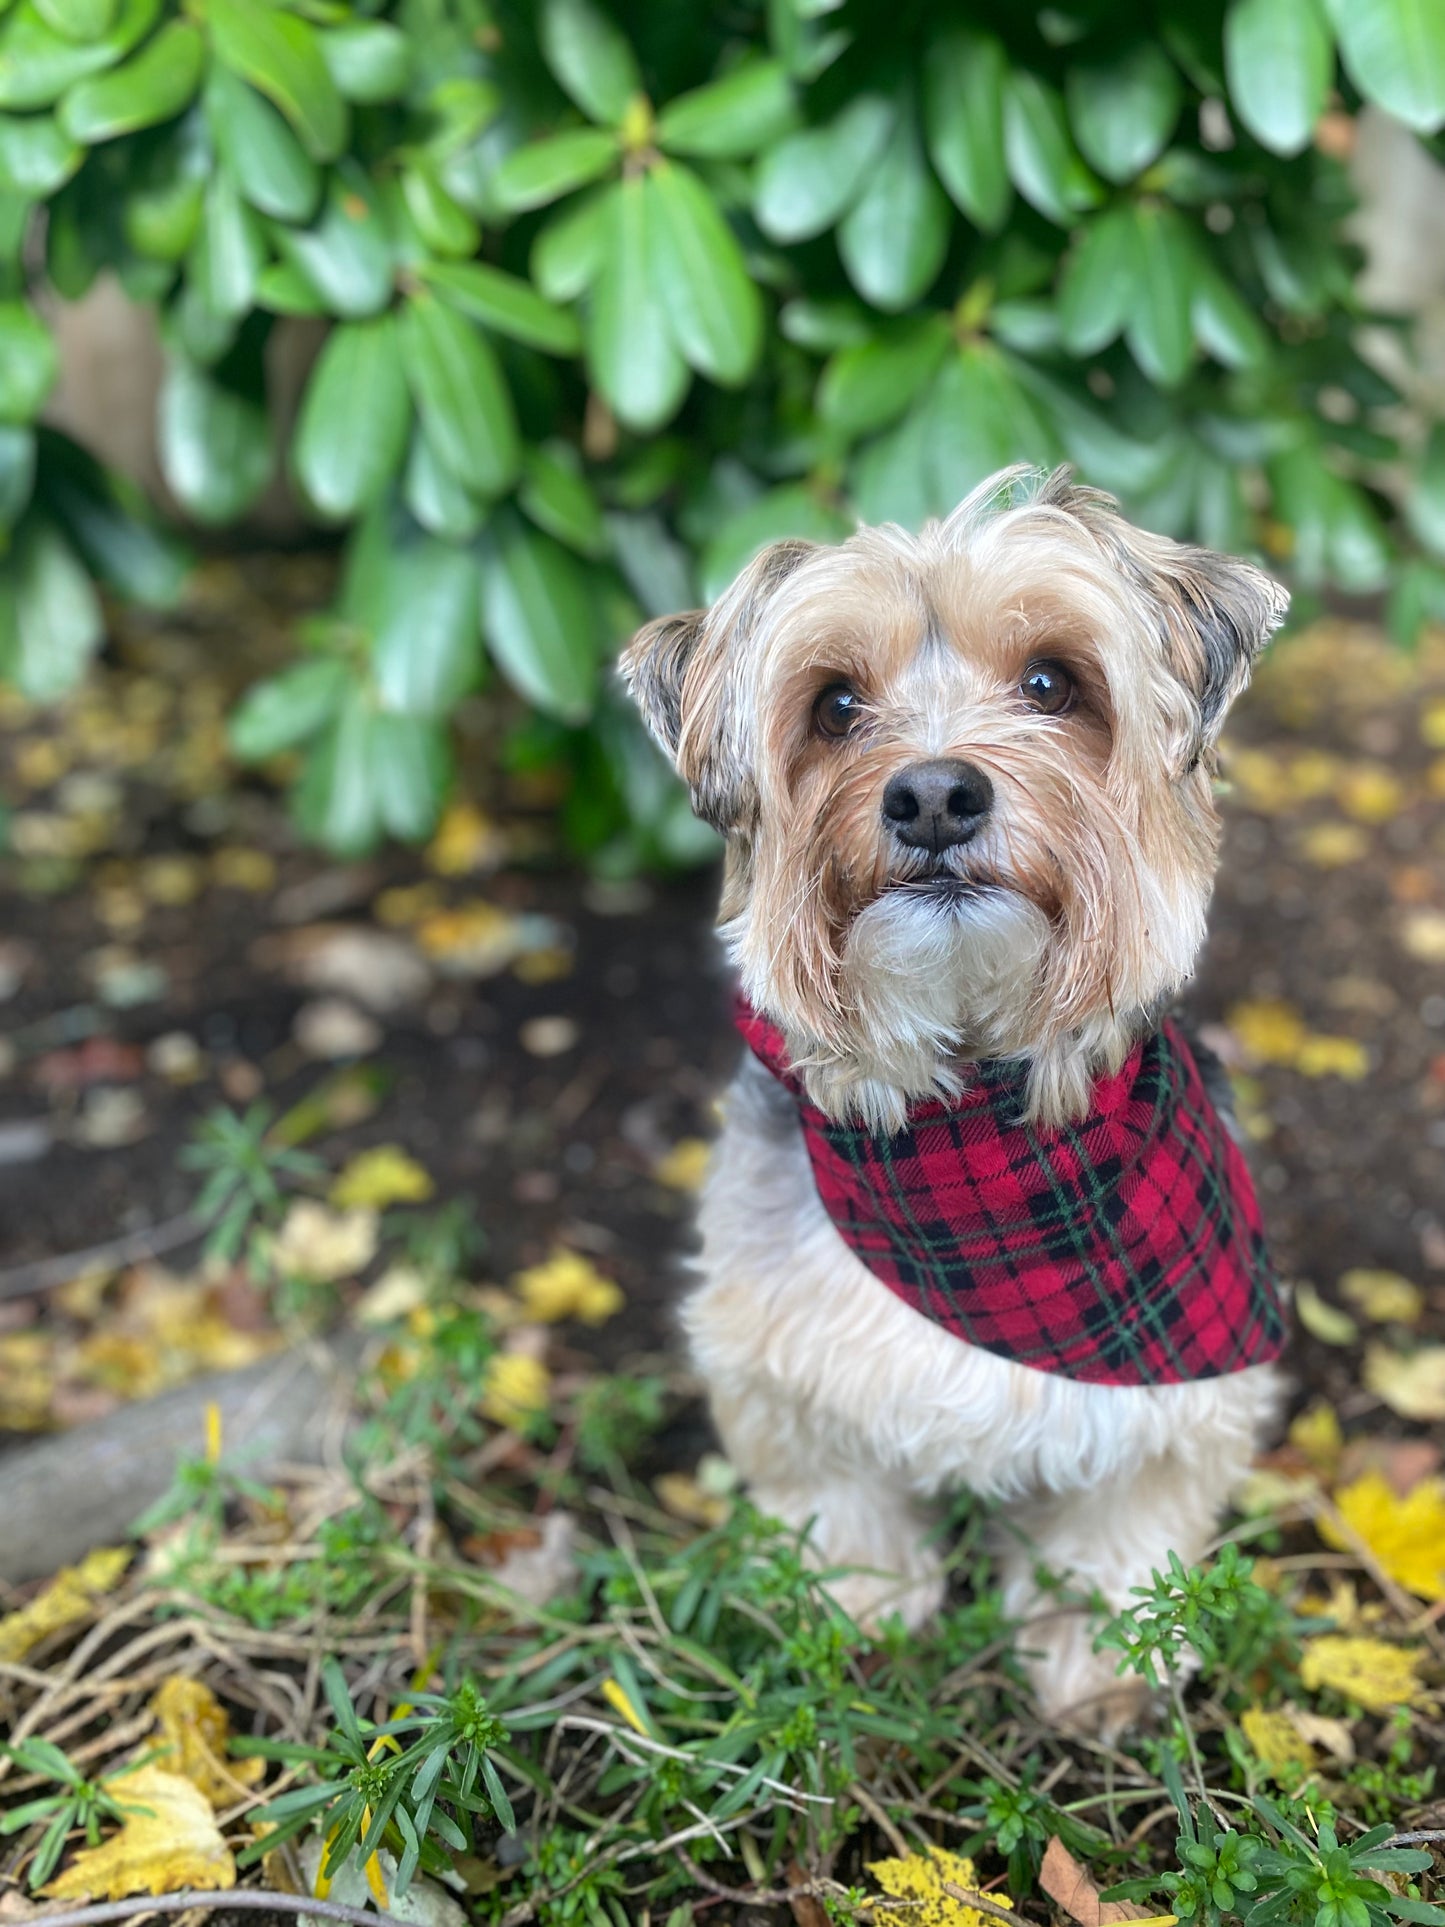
914	1595
1079	1690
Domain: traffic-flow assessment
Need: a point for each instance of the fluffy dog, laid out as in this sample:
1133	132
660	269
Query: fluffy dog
972	1219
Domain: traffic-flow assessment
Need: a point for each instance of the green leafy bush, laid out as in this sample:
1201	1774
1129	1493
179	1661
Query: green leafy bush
620	292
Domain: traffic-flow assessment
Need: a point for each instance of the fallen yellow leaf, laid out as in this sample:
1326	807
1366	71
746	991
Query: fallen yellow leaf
1277	1745
1331	845
466	841
1432	723
194	1738
1269	1030
1406	1535
1367	1671
382	1176
514	1388
682	1496
616	1697
1423	935
324	1245
1316	1433
1370	794
685	1165
1383	1296
1411	1384
67	1601
567	1285
168	1841
1321	1319
926	1878
1320	1056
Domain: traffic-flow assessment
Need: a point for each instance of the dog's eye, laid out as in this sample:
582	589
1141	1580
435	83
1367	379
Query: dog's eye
837	709
1048	687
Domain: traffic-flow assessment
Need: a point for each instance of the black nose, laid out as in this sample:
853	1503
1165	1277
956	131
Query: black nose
930	806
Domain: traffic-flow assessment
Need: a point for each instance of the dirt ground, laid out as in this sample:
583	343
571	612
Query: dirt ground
157	915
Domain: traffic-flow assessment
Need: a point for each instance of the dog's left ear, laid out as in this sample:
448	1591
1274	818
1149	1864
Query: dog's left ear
1218	614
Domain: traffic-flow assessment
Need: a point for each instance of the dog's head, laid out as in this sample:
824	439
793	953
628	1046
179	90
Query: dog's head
965	781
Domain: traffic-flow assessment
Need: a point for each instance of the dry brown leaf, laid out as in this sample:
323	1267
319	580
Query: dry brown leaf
1068	1885
169	1841
67	1601
194	1738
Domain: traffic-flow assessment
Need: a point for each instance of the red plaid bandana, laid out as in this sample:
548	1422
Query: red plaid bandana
1124	1250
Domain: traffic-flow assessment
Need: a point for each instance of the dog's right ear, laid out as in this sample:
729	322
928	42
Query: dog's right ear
686	674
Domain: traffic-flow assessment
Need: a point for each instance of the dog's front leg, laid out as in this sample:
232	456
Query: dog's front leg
861	1525
1109	1538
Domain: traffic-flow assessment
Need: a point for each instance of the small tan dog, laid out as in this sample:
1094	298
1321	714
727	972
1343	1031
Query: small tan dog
965	780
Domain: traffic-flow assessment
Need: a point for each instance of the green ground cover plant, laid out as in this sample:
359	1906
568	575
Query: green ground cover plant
614	293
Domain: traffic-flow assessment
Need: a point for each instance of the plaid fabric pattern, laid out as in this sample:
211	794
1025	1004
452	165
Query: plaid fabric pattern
1123	1250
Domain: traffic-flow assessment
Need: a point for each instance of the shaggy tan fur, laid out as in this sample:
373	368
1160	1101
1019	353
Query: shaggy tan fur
1052	935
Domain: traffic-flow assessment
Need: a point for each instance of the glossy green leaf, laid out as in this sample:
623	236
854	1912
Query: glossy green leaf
537	612
559	499
699	277
112	525
1279	57
1394	52
568	252
1105	454
889	479
826	324
809	180
153	86
443	224
412	769
355	419
590	58
1099	282
35	156
78	19
17	473
789	512
978	420
56	624
346	253
426	650
28	362
1124	109
1337	532
282	289
731	119
863	388
215	445
1159	330
964	77
895	236
506	304
161	216
436	498
369	60
1225	325
630	344
280	54
545	170
1042	160
337	800
230	250
286	710
1425	504
464	403
270	166
38	63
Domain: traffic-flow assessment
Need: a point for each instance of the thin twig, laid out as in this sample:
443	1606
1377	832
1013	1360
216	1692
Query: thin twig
252	1899
49	1274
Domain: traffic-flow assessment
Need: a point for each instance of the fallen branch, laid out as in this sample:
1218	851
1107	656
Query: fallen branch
247	1899
49	1274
